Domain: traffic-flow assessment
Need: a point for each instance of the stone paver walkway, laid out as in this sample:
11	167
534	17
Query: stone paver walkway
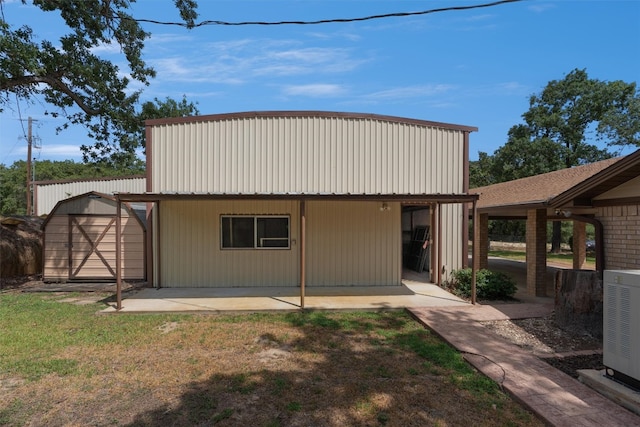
555	397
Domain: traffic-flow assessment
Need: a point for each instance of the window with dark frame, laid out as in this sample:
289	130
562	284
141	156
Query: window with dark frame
254	231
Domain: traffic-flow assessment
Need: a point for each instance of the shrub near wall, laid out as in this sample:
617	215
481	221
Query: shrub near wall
490	285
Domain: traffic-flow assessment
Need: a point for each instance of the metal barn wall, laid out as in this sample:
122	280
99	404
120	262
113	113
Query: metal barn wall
189	247
348	243
48	194
452	239
281	154
353	244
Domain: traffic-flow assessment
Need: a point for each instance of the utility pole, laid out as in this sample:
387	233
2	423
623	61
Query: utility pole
29	141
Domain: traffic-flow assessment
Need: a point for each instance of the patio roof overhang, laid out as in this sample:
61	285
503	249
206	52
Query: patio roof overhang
405	198
410	199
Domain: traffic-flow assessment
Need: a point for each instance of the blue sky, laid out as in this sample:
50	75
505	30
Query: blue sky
475	67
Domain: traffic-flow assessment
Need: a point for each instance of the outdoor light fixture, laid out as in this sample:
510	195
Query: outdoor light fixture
566	214
384	207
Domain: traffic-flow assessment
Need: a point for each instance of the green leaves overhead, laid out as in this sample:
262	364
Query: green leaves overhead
70	76
560	127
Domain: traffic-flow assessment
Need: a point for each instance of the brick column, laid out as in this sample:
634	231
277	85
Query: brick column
481	240
579	244
536	252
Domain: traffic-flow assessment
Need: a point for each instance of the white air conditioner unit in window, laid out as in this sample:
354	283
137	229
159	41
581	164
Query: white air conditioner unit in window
621	332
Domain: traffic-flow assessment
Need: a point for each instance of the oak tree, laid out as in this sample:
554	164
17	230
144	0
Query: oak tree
72	79
561	127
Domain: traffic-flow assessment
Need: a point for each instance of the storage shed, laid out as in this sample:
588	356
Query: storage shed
295	198
80	240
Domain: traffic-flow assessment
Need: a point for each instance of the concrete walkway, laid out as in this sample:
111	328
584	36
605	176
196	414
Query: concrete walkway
555	397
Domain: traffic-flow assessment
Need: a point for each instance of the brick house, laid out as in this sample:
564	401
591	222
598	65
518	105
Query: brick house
605	194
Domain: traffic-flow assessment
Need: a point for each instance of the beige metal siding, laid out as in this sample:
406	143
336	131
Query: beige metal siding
48	195
353	244
342	155
190	253
451	239
348	243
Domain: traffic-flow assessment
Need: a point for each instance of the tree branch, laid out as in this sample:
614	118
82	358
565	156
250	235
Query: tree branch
54	83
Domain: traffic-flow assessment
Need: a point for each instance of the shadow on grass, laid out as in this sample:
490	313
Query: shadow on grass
360	369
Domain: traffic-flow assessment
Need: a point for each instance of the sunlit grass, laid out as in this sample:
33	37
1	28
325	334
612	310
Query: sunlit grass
565	258
212	362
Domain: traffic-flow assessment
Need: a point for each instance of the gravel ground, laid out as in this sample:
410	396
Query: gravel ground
566	350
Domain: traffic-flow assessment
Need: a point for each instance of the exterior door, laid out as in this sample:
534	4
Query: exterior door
92	247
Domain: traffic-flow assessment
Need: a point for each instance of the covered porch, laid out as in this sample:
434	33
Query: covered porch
301	292
538	200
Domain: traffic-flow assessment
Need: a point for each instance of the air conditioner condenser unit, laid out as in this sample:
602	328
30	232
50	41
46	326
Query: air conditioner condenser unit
621	332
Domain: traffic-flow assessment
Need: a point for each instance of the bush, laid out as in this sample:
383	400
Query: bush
490	285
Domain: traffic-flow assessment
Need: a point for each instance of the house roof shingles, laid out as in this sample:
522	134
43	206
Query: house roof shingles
539	189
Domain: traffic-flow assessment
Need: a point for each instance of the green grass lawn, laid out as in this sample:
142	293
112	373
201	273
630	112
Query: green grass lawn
562	258
63	363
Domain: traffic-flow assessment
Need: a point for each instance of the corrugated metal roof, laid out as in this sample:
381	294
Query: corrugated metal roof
303	113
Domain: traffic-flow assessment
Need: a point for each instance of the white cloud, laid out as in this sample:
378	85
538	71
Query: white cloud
511	87
109	48
410	92
318	90
62	150
182	69
541	7
335	35
49	151
239	61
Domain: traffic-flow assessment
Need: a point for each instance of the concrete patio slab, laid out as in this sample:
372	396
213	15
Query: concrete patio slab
220	300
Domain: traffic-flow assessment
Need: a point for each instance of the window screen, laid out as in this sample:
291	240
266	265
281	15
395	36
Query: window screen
255	232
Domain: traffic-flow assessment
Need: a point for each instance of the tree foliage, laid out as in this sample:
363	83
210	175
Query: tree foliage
561	126
556	133
13	188
70	76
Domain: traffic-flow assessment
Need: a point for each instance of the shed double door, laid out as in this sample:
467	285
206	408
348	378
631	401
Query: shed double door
92	247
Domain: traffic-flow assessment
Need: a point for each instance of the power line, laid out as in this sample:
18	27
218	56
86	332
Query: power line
325	21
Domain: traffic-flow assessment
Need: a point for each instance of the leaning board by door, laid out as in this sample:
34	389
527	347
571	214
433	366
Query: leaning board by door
417	257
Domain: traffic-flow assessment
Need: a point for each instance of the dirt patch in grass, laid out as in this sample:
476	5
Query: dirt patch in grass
311	369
